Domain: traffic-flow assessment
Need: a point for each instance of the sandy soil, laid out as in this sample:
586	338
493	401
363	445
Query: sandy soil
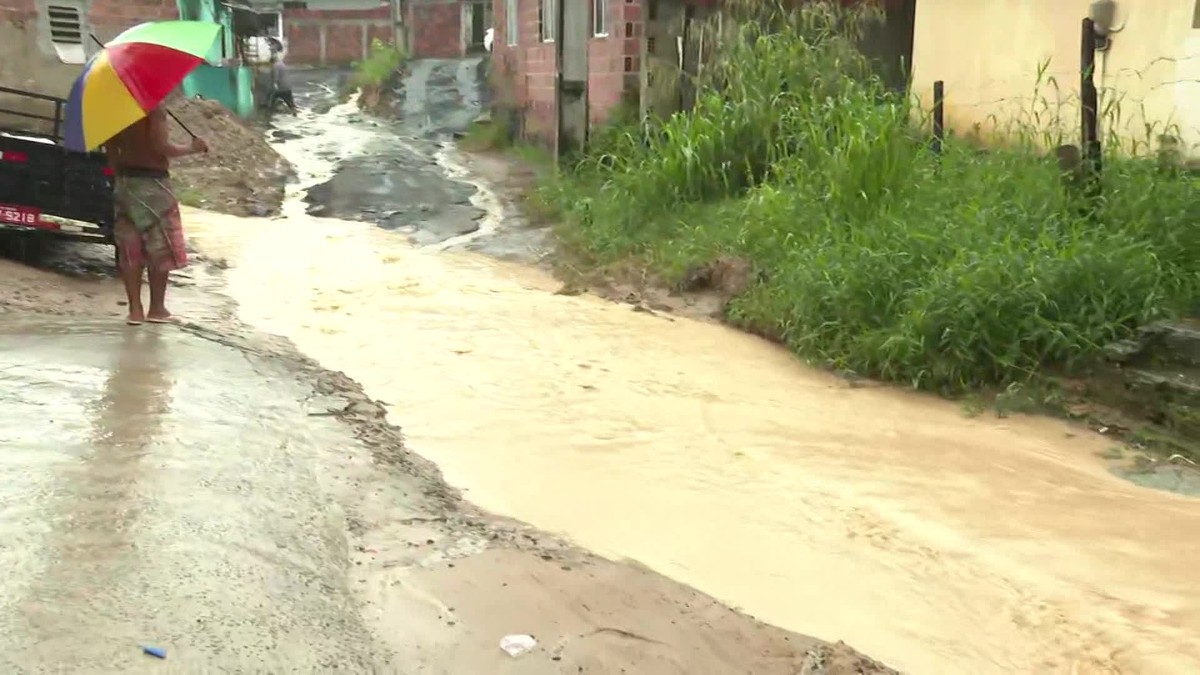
442	584
26	289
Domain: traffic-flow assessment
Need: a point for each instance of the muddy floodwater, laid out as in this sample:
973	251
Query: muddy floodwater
935	542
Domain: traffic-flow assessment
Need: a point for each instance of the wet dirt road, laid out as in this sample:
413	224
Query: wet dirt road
404	176
939	543
207	490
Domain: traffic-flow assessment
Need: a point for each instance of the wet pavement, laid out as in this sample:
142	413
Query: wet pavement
404	174
141	505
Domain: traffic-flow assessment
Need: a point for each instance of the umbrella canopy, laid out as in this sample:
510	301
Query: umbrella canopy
133	74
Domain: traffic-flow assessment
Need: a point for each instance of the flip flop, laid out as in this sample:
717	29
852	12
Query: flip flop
131	322
167	320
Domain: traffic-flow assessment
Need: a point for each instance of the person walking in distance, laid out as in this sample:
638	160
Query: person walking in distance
281	84
148	228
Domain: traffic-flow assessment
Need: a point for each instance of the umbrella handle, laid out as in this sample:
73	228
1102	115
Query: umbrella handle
168	110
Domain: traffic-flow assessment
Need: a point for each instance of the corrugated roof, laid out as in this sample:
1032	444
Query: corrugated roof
345	4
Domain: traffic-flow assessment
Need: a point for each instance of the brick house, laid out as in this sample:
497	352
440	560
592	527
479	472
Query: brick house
332	32
446	28
340	32
629	45
525	60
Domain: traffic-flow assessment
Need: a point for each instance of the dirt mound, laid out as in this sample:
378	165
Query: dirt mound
841	659
240	175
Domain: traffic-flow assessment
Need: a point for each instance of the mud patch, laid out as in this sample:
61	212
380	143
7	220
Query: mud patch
400	188
387	171
520	235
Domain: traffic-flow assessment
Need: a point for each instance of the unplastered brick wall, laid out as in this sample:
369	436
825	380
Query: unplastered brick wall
528	69
609	62
436	28
109	17
336	36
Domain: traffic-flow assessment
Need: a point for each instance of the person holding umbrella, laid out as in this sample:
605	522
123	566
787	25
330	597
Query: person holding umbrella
148	228
118	103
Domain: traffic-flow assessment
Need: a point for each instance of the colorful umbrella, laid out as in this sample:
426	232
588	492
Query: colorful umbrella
129	77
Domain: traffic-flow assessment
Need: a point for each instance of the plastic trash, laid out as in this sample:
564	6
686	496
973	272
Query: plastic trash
516	645
156	652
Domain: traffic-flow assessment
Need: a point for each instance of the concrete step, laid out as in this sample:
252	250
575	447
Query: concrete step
1165	396
1160	344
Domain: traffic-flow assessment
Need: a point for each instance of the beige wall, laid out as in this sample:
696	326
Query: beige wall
989	53
25	64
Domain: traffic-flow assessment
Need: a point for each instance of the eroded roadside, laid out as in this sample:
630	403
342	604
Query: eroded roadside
233	502
436	581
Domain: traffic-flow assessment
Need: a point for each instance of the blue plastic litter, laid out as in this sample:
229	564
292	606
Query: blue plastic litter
156	652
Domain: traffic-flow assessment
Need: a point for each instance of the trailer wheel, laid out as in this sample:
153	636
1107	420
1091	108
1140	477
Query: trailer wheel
28	247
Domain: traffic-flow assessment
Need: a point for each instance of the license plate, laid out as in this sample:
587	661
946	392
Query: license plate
23	215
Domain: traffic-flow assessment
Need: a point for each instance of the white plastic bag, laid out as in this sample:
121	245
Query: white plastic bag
516	645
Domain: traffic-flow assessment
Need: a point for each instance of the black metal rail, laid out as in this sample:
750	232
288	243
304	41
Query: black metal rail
55	120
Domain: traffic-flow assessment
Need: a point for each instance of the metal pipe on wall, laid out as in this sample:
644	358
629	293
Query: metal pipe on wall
1089	99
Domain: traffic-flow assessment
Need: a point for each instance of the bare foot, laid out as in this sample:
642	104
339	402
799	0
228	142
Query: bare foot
160	316
135	318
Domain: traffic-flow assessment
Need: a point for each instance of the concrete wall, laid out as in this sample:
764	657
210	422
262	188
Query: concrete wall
335	36
524	74
989	54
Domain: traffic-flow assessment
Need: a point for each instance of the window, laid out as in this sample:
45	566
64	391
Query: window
547	19
512	27
271	24
600	18
65	27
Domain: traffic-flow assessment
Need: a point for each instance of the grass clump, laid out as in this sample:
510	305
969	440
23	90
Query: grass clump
383	61
874	255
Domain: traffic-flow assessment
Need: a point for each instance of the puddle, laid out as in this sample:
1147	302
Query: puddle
932	541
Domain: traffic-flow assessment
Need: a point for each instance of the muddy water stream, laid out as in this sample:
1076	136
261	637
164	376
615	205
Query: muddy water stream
935	542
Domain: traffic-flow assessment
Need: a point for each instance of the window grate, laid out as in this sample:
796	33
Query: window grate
512	25
65	25
549	19
599	17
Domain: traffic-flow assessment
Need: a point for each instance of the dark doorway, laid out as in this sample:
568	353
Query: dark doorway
479	19
574	31
889	44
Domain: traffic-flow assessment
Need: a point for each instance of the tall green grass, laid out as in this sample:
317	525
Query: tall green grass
383	61
873	254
